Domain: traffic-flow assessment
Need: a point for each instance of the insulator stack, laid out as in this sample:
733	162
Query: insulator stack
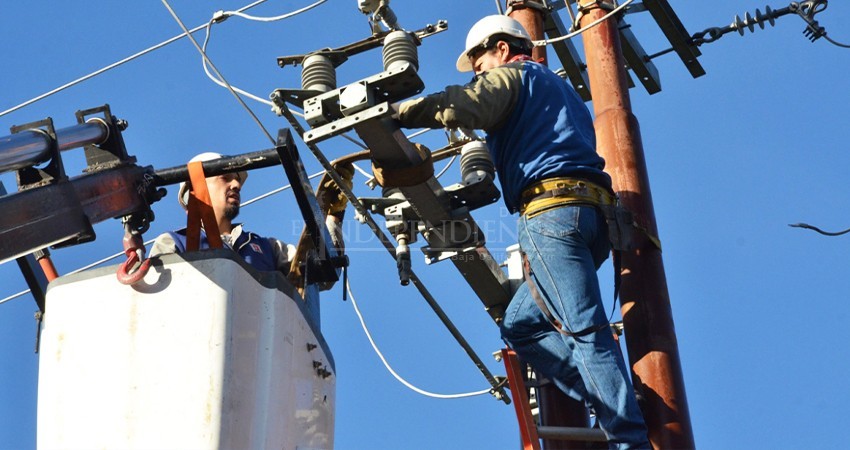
749	21
399	48
318	73
475	162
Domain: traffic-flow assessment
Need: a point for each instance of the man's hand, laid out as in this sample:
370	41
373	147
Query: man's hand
331	198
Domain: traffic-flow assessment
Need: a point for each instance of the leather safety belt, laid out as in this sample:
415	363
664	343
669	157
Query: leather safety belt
535	294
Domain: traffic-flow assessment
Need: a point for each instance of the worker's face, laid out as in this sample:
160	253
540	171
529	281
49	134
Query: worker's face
224	195
488	59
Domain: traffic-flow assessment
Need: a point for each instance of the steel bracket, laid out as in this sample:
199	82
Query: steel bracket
112	151
323	265
54	170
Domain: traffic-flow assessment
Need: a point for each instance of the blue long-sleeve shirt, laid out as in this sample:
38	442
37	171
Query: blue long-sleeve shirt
537	126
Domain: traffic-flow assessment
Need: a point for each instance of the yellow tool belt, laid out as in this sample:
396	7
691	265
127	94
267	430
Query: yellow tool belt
554	192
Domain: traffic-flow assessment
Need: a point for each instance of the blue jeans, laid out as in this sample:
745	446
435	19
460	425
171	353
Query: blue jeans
565	246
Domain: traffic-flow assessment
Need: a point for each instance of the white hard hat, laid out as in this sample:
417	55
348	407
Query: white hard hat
183	192
483	29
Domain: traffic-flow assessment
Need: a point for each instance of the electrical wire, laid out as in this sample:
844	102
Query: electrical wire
275	18
219	82
115	64
362	172
596	22
217	72
573	18
838	44
419	133
814	228
449	164
390	369
222	15
366	218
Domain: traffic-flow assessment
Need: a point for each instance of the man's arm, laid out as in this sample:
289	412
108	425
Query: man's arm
283	254
334	224
482	105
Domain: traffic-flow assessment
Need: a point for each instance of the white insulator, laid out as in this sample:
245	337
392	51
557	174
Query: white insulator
400	49
475	162
318	74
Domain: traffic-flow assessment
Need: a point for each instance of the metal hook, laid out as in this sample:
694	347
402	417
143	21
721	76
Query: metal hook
125	273
134	248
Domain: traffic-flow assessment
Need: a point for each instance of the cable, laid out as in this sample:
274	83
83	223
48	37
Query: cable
277	191
368	220
14	296
836	43
362	172
358	143
418	133
115	64
275	18
545	42
390	369
219	82
573	18
451	161
814	228
222	15
220	76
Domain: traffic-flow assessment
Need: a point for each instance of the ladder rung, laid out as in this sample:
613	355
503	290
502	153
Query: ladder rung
571	434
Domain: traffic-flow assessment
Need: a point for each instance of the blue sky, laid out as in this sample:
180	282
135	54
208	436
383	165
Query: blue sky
733	157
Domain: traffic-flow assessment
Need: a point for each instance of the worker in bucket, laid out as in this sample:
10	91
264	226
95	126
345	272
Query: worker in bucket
262	253
543	144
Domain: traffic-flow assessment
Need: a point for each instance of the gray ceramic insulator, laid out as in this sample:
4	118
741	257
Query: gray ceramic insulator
318	74
475	162
399	49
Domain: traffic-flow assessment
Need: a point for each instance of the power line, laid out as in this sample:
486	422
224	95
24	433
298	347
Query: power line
114	65
545	42
222	15
836	43
220	76
390	369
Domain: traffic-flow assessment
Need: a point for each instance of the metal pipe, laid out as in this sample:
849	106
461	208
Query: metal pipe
43	258
561	412
32	147
230	164
531	18
645	301
572	434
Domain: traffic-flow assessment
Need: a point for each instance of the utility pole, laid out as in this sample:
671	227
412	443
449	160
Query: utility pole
647	315
645	301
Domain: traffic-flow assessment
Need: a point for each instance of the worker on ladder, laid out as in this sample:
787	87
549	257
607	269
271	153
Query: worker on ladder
542	140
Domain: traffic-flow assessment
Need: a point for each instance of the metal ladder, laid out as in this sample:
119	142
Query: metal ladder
530	432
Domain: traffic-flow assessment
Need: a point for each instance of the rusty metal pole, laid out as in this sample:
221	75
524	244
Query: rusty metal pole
530	14
647	315
556	408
